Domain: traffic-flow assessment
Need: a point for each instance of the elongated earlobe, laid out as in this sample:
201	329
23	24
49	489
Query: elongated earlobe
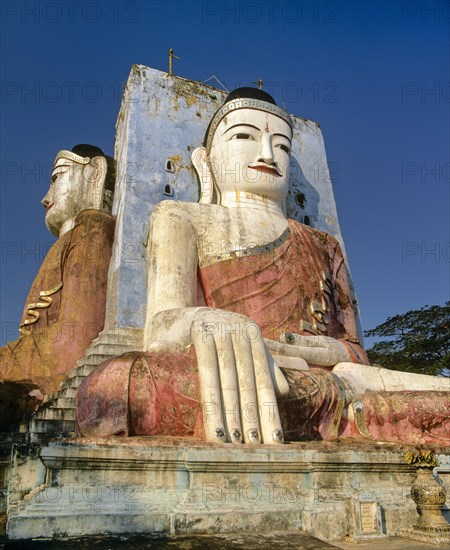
200	162
96	183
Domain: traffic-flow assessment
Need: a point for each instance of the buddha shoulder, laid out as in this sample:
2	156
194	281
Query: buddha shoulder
194	213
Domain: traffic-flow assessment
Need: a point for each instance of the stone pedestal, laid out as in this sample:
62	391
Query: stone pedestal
169	486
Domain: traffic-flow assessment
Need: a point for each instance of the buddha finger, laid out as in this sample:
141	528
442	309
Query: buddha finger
251	432
314	355
318	356
208	369
294	339
268	408
230	388
318	341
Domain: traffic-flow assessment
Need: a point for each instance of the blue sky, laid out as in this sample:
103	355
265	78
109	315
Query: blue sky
374	74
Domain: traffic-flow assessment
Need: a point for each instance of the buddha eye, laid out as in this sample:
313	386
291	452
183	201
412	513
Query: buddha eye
242	135
284	148
54	177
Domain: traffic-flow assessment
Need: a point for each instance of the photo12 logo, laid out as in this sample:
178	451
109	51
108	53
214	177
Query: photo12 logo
28	12
251	493
424	11
425	172
270	12
426	252
425	92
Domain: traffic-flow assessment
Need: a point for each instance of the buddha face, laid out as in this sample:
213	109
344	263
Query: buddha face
250	154
65	199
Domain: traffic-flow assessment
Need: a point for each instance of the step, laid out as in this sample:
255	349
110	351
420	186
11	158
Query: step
98	358
66	392
55	414
111	350
82	370
93	359
122	336
102	352
94	342
41	426
7	439
57	403
72	382
44	437
64	403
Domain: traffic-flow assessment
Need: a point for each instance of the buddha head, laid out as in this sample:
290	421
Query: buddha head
246	149
81	179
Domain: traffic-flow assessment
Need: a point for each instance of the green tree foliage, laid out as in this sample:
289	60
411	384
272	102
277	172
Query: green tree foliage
416	341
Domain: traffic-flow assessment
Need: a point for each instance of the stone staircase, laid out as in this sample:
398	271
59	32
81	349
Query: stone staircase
55	417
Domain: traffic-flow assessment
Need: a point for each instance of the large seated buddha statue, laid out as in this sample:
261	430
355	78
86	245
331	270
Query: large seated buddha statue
251	336
65	308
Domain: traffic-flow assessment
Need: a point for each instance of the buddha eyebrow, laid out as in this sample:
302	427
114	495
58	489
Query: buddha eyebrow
61	168
282	135
240	125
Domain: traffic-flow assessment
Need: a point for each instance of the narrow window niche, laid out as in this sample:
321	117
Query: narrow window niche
168	190
300	199
170	166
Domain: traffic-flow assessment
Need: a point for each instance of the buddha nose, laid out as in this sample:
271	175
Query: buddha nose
266	150
46	200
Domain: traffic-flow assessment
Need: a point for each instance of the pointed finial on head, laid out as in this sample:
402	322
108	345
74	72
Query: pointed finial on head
260	83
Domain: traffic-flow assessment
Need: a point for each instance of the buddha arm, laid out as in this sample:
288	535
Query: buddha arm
172	275
85	275
346	313
235	373
334	315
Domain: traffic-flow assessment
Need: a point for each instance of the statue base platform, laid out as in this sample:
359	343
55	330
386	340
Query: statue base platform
171	486
437	537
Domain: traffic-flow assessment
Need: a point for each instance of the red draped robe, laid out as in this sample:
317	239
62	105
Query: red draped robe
296	284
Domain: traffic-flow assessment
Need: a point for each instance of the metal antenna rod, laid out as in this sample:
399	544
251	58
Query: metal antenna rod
260	84
171	57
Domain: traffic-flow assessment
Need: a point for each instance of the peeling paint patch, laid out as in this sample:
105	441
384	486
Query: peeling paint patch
191	100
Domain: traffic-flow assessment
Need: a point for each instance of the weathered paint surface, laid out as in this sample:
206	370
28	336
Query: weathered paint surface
162	119
121	486
141	394
49	348
277	288
158	394
412	417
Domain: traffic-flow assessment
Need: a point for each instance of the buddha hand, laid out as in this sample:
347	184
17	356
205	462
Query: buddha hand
316	350
238	378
